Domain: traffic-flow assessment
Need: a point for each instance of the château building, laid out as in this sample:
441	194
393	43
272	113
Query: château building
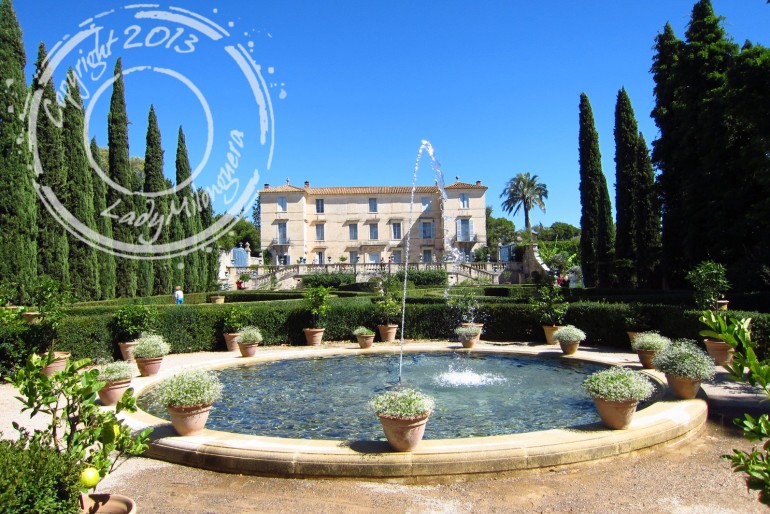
370	224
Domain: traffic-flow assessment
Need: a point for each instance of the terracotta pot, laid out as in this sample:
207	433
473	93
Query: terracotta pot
722	305
189	420
313	336
231	340
683	387
365	341
616	415
32	317
480	325
645	357
58	364
721	352
569	347
248	349
469	342
112	392
127	350
149	367
632	336
403	434
549	330
387	332
217	299
105	503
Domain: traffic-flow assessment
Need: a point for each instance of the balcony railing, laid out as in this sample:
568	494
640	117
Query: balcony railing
466	238
281	241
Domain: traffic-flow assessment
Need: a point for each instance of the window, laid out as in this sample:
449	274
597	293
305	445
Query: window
396	227
427	256
396	255
353	256
425	203
464	230
282	235
374	257
426	230
319	232
464	201
372	205
281	204
353	229
374	231
319	206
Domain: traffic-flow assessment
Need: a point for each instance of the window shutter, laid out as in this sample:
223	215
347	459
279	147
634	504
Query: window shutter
470	230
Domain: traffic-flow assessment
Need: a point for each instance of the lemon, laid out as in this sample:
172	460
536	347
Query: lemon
89	477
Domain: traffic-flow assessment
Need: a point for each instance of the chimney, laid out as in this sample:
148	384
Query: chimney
478	182
307	184
267	186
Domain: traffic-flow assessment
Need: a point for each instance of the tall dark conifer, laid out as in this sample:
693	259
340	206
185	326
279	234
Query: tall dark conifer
211	264
104	227
155	182
190	217
121	204
18	202
84	266
626	188
647	213
52	244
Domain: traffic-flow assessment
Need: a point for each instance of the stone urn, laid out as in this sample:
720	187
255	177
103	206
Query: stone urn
403	434
105	503
616	415
149	367
313	336
112	392
231	340
189	420
387	332
683	387
58	364
721	352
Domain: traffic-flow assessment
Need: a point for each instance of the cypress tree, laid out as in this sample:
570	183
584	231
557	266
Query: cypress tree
590	166
52	244
104	227
120	172
18	203
626	188
211	265
190	217
84	266
647	214
153	183
670	118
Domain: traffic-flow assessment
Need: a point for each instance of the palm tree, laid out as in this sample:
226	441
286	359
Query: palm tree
524	191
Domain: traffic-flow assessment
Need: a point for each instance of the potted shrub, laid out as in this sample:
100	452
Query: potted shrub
636	322
647	344
465	309
131	321
709	279
364	336
234	321
388	309
50	297
403	414
685	366
468	335
248	340
217	298
89	440
551	309
317	302
188	397
616	392
149	352
117	379
569	338
720	328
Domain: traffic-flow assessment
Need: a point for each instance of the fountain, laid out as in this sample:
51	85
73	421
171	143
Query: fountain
353	452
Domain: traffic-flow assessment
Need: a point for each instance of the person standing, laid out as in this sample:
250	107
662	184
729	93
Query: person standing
178	295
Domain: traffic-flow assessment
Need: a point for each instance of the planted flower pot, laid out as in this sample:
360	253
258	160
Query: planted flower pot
189	420
105	503
231	340
112	392
646	357
403	414
685	366
387	332
569	339
647	345
149	352
468	334
549	330
58	364
403	435
149	367
127	350
616	392
188	397
721	352
683	387
313	336
616	415
365	341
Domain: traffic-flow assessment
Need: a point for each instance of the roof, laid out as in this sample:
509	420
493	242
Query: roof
367	190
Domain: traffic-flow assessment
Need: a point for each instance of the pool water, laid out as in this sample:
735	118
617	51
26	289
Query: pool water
327	398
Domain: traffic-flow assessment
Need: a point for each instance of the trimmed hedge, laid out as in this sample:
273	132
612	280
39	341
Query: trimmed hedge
328	279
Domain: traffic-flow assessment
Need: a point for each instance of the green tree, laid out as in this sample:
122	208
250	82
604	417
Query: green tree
83	262
154	182
194	269
647	212
626	186
597	229
211	265
499	230
104	226
120	173
559	231
52	245
524	192
18	204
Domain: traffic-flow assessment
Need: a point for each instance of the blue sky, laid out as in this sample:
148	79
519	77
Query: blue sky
354	86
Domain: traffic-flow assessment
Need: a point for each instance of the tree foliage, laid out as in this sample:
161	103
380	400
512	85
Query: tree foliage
106	260
524	192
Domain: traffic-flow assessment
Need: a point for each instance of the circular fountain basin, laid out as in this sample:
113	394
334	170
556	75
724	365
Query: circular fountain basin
657	423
